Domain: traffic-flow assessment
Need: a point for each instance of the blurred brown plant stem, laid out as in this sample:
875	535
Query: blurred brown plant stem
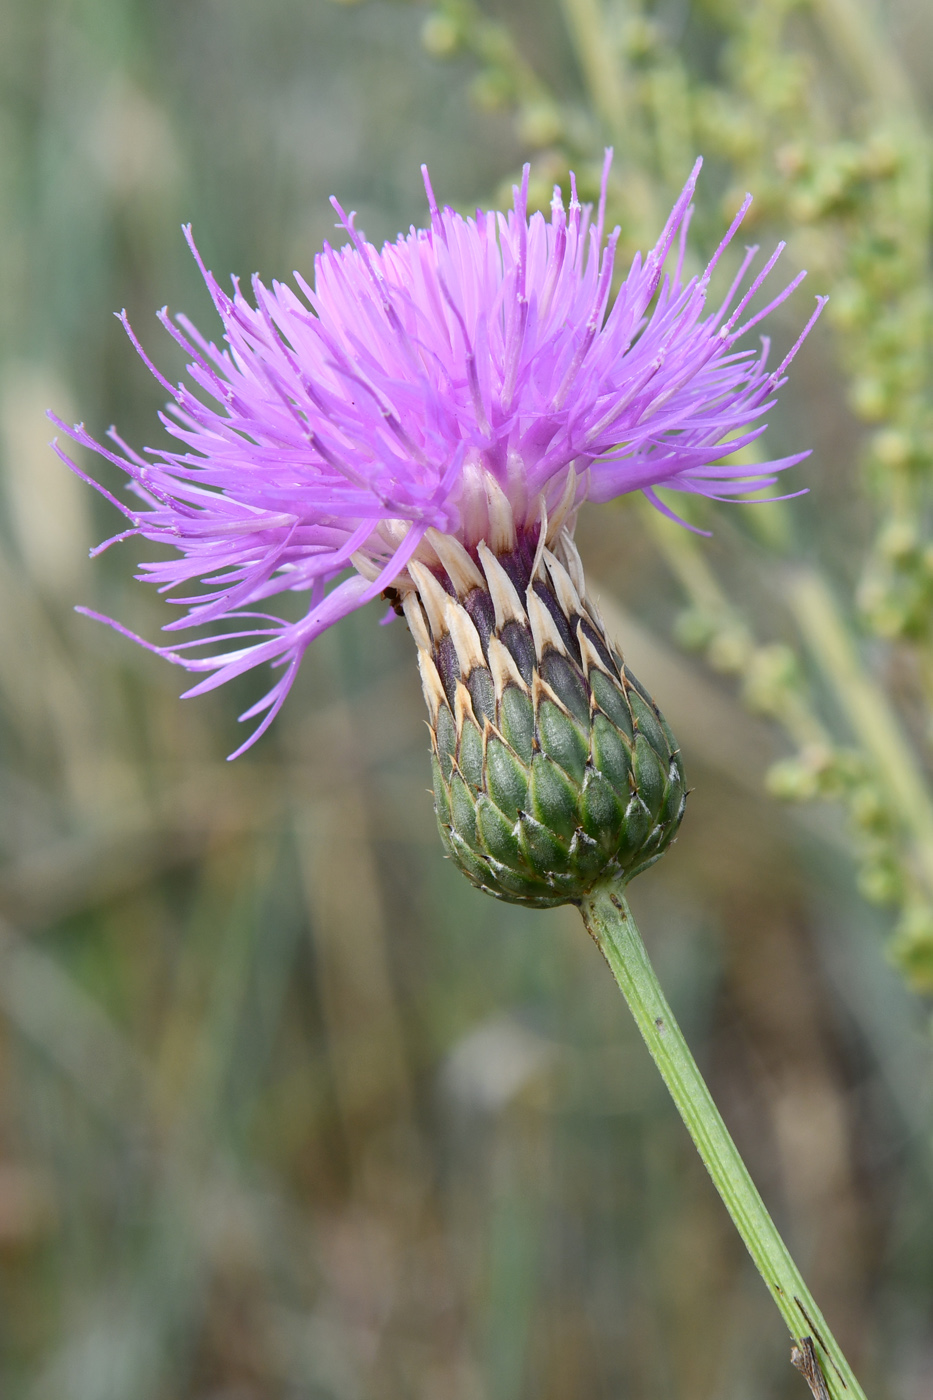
371	1076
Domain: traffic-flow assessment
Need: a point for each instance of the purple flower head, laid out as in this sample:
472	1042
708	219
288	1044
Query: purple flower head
473	379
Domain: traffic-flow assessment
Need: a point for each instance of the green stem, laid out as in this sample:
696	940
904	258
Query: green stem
867	708
610	922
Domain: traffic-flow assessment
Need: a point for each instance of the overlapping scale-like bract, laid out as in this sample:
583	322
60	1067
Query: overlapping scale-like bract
553	768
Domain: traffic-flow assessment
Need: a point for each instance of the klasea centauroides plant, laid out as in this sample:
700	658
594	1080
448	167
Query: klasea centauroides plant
424	423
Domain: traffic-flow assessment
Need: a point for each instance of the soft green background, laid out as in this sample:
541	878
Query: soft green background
287	1110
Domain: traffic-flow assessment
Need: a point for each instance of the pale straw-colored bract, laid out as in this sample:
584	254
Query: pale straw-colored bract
475	367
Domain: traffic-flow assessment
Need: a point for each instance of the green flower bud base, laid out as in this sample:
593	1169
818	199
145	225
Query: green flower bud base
553	767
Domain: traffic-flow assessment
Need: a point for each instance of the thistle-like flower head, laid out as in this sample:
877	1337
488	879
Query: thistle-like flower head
469	385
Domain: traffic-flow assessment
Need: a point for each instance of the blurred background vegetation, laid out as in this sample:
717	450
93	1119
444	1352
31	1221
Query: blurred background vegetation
286	1108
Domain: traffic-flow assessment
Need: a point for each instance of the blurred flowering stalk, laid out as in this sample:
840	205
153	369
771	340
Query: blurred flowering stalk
838	152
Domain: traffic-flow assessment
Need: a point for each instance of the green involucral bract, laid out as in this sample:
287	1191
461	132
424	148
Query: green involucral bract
554	771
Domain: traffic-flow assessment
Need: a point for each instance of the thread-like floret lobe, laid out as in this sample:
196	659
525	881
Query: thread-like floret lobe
465	381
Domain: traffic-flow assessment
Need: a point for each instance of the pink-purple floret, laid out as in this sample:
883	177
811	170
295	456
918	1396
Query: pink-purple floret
376	394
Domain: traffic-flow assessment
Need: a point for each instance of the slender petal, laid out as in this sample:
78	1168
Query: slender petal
417	388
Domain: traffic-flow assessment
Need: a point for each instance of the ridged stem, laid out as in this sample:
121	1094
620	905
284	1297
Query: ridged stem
610	922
